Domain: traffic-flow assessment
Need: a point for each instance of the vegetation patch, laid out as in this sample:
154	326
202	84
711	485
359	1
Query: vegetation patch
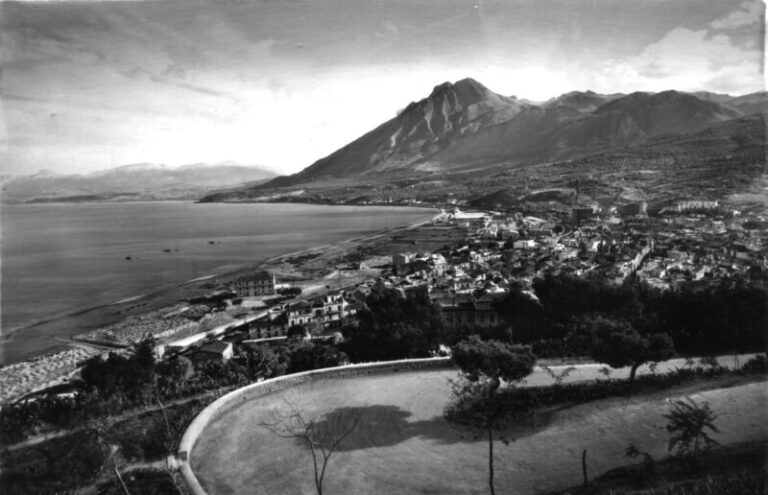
55	466
533	405
143	481
733	470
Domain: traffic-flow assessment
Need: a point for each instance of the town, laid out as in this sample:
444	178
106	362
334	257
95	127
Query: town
466	261
688	243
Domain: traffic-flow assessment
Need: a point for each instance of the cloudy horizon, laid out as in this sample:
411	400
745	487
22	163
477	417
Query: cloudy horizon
94	85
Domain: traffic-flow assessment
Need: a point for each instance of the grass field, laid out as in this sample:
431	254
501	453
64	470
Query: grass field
403	445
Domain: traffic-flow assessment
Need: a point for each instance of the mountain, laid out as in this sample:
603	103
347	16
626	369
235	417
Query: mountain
463	141
668	111
749	104
135	181
566	127
450	113
580	101
464	125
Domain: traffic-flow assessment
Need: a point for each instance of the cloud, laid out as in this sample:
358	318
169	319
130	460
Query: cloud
748	13
689	60
392	28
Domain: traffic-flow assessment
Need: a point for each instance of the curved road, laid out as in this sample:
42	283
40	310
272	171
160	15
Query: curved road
402	444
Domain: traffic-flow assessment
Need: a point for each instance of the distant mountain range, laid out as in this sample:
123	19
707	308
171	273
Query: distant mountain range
463	130
132	182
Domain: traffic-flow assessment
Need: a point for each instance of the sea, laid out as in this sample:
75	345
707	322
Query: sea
60	260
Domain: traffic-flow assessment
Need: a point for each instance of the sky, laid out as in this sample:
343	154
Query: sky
90	85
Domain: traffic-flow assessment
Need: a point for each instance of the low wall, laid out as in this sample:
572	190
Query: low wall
249	392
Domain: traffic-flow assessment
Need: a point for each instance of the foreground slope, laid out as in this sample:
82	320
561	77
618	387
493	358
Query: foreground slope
403	445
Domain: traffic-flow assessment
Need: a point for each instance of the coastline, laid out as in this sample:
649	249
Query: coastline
81	320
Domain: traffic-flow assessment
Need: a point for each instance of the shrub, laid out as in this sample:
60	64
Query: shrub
144	482
688	424
756	365
54	466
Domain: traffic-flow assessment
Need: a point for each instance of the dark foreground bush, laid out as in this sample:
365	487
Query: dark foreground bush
144	482
758	364
56	466
147	437
735	484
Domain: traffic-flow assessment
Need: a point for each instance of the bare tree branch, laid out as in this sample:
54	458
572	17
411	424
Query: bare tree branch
323	439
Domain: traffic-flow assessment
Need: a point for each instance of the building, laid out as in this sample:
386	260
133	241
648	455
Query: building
466	310
696	205
259	284
633	209
215	351
400	262
582	213
273	324
298	313
328	310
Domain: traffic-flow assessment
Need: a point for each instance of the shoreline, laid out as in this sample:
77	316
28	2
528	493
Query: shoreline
155	298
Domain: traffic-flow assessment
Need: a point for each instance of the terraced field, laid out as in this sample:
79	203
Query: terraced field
403	445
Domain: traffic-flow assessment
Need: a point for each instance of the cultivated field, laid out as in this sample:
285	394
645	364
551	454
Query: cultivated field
403	445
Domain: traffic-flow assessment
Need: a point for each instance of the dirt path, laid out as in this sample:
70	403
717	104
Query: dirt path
43	437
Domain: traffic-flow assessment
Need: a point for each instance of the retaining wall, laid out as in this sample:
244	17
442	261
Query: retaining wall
249	392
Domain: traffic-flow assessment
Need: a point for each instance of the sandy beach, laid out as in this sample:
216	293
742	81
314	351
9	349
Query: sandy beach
42	372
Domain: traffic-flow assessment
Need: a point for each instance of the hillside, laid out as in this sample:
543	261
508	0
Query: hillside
137	181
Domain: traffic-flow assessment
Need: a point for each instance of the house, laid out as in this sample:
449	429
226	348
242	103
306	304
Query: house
466	310
633	209
215	351
328	310
273	324
400	261
439	265
525	244
298	313
582	213
259	284
458	310
485	313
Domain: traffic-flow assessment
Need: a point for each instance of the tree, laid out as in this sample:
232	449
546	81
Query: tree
524	314
687	424
493	361
617	344
263	362
484	364
309	356
322	439
131	376
395	326
297	332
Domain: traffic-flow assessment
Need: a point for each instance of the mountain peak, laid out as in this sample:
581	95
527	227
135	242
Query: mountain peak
467	91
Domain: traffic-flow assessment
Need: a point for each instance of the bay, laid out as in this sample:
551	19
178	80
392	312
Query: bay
61	259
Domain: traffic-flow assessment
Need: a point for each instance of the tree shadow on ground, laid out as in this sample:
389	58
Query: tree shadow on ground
388	425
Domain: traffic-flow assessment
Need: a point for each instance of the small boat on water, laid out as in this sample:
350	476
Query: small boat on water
128	258
166	250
